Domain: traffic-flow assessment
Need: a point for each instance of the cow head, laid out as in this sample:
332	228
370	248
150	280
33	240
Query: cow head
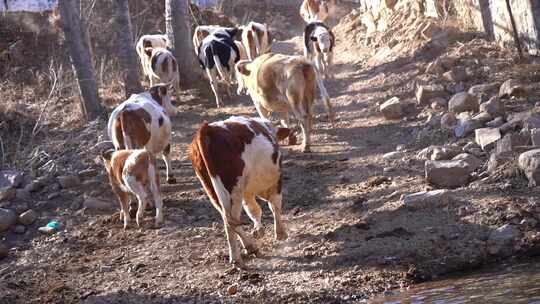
242	75
161	93
323	38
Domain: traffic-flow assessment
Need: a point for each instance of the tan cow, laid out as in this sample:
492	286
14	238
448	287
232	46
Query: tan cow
143	121
134	172
237	160
281	83
256	39
315	10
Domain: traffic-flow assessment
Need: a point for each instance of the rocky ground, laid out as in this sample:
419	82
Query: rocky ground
431	168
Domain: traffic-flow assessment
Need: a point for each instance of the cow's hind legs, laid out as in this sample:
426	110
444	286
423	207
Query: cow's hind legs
254	212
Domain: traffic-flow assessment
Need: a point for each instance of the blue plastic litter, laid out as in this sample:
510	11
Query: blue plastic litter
54	225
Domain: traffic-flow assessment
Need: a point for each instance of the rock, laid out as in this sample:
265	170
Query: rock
510	142
512	88
393	155
7	219
23	195
493	107
392	108
469	146
535	137
439	104
7	193
455	75
473	162
11	178
487	137
4	250
463	102
501	241
447	173
495	123
28	217
529	162
498	159
466	126
69	181
34	186
482	117
425	93
424	198
448	121
19	229
96	204
484	91
439	153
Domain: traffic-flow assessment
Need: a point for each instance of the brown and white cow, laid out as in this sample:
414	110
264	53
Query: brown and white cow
237	160
315	10
134	172
281	83
149	41
319	42
163	67
256	39
143	121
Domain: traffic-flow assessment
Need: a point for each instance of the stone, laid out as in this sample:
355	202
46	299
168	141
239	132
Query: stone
448	121
482	117
438	152
484	91
473	162
392	108
19	229
501	240
69	181
28	217
447	173
529	163
463	102
7	219
510	142
495	123
11	178
4	250
513	88
425	93
469	146
34	186
487	137
426	198
535	137
466	126
7	193
493	107
455	75
439	104
96	204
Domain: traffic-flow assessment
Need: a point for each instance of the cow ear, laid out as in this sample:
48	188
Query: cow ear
148	51
314	39
282	133
242	67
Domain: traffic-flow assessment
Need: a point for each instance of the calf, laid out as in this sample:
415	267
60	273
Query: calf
149	41
134	172
143	121
281	83
314	10
256	39
217	55
319	42
162	67
237	160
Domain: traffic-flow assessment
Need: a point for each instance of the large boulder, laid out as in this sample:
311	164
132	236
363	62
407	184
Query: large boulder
512	88
425	93
529	162
463	102
11	178
7	219
392	108
484	91
448	173
487	137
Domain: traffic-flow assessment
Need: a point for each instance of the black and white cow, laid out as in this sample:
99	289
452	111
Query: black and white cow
217	55
319	42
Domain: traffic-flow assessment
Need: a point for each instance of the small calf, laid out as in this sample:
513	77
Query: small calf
237	160
162	67
134	172
319	42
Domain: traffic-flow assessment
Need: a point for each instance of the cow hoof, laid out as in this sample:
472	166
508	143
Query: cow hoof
171	180
258	233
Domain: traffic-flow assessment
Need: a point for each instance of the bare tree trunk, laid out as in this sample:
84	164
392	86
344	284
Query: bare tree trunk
129	64
514	29
79	51
177	19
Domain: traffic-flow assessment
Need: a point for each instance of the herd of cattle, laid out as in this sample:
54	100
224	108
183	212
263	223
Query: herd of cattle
238	159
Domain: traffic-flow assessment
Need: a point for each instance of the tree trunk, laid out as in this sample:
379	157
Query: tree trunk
127	56
76	36
177	20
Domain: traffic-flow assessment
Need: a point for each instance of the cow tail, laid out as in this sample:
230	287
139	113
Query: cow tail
223	205
113	126
324	95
